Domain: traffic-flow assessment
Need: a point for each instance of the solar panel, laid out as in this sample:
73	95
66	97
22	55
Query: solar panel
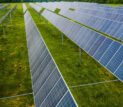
80	6
99	23
116	60
67	101
49	87
101	8
109	53
53	5
96	44
103	49
36	7
90	41
119	71
104	14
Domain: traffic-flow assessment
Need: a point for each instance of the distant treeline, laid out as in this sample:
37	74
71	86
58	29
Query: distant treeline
97	1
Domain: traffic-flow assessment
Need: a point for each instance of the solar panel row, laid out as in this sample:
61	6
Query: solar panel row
102	8
36	7
63	5
80	5
106	51
103	14
49	87
107	26
105	23
66	5
85	8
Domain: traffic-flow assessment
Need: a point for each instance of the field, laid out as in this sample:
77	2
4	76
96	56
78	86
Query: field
76	69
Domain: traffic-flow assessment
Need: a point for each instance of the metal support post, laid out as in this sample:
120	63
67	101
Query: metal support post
80	55
3	29
62	38
10	16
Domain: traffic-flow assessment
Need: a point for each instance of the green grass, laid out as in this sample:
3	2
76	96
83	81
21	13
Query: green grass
67	58
14	65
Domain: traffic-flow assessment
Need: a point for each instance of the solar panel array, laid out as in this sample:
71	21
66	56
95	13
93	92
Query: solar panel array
108	23
89	8
63	5
110	27
107	52
49	87
36	7
103	14
102	8
80	5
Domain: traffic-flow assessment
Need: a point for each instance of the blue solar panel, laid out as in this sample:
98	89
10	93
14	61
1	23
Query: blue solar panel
104	14
121	37
44	75
41	68
47	82
92	40
99	23
54	96
38	52
109	53
80	36
116	60
47	87
75	29
117	26
67	101
92	21
119	72
119	32
68	28
102	48
85	39
96	45
110	28
107	24
39	60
